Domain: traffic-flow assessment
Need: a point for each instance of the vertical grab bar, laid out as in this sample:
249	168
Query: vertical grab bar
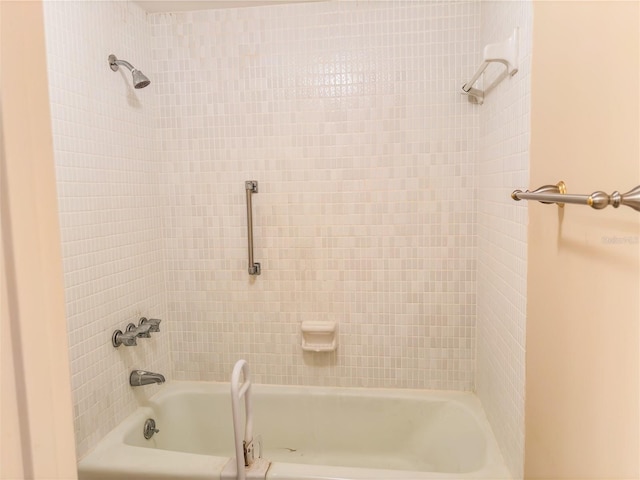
251	187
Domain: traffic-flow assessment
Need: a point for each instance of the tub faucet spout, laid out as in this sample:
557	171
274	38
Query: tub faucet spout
142	377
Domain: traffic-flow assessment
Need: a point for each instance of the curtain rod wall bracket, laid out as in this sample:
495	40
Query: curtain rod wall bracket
505	53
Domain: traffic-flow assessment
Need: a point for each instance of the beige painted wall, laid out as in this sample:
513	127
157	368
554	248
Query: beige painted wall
582	406
35	396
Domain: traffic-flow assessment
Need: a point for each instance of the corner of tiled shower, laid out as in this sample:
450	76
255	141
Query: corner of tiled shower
383	198
502	236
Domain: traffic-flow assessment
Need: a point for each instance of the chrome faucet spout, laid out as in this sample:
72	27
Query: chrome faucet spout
142	377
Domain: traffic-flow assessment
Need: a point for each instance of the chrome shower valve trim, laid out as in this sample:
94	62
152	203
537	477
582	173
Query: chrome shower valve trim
143	330
127	339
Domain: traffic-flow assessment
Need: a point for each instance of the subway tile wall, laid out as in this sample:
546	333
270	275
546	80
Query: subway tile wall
108	189
349	116
502	234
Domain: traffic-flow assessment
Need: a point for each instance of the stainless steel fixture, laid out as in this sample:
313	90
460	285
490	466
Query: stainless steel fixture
149	429
140	80
598	200
142	377
128	339
143	330
251	187
154	323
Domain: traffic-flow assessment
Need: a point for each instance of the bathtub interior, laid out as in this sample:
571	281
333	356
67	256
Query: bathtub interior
345	428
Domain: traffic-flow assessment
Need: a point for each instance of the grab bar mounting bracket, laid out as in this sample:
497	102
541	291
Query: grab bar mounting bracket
251	185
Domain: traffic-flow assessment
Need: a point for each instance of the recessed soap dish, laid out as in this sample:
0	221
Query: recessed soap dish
319	336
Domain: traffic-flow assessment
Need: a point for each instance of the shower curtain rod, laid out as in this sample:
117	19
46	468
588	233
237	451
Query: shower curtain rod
598	200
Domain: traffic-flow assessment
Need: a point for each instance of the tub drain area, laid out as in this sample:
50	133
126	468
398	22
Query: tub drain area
149	429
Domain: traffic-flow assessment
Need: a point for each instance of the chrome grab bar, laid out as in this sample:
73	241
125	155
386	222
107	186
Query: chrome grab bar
251	187
598	200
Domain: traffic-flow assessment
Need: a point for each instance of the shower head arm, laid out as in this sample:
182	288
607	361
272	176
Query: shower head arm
114	63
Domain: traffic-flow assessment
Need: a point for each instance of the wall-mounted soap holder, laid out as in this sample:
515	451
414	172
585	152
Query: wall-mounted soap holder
319	336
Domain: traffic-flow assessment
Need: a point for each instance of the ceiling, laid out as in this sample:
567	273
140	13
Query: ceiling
155	6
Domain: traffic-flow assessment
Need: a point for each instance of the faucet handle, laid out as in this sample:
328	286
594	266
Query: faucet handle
128	339
154	322
143	331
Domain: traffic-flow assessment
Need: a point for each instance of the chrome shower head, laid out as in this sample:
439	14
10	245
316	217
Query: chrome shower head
140	80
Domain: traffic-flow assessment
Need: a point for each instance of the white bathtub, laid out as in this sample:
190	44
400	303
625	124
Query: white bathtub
307	432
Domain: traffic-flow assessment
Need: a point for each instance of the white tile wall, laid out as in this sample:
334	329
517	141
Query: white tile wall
348	114
108	187
502	234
